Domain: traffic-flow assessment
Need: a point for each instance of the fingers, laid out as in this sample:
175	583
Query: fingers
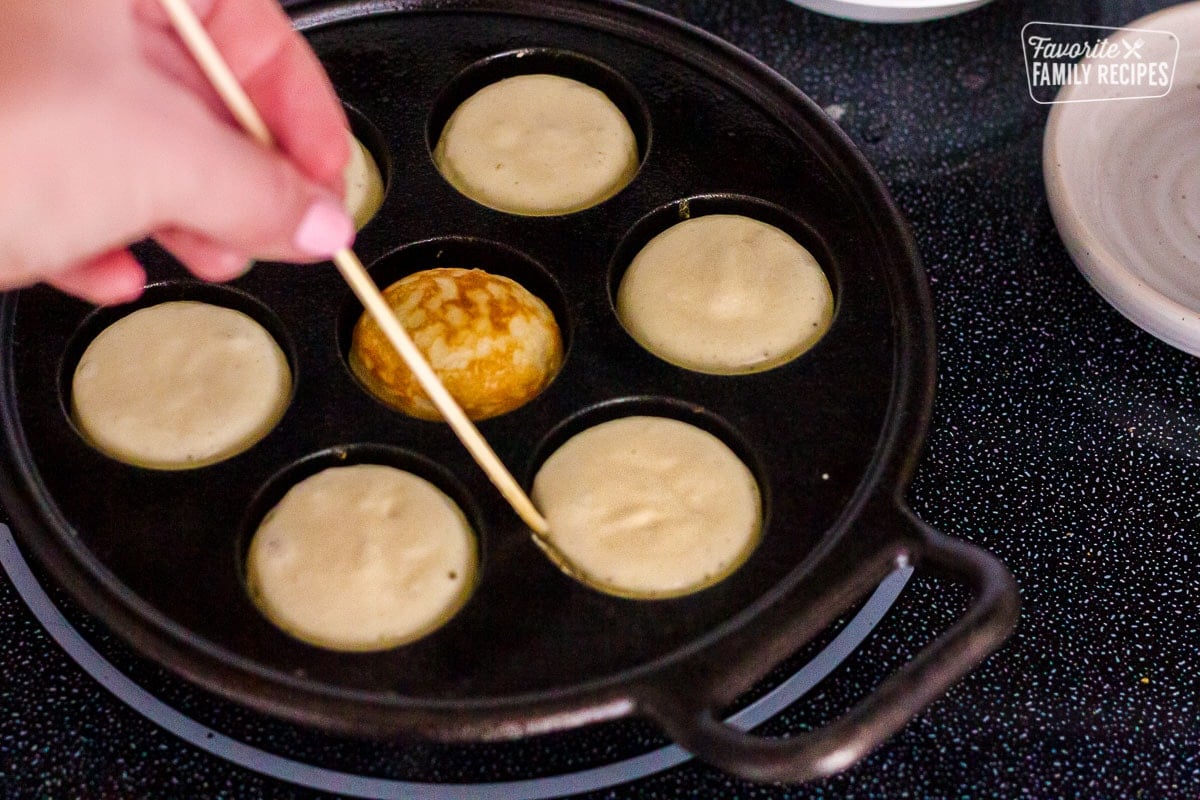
300	107
278	70
204	258
212	180
249	201
168	160
115	277
163	51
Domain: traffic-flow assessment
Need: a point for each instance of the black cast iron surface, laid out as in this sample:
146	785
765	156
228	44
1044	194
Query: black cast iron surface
1063	439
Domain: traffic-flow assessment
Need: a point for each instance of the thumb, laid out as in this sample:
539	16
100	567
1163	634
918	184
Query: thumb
216	182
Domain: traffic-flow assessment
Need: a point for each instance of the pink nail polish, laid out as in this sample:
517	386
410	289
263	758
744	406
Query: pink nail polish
324	230
233	265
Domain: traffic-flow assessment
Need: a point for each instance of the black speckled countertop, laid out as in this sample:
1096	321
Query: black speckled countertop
1064	439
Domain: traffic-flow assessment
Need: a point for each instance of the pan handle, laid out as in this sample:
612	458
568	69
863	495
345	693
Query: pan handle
990	618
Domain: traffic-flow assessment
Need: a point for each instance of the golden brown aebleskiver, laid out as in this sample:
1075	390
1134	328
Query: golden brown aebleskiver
494	344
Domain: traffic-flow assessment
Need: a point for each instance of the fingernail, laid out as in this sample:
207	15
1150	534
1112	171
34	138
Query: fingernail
324	230
234	265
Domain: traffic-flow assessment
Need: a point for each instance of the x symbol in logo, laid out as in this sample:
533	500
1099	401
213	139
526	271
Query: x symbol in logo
1132	48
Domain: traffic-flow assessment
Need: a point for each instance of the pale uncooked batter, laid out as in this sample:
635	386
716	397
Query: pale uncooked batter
538	145
725	294
363	557
180	385
494	344
364	184
649	507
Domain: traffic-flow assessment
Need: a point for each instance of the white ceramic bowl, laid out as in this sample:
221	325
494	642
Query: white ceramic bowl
891	10
1123	180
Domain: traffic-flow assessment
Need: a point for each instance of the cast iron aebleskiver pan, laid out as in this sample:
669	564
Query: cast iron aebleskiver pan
832	437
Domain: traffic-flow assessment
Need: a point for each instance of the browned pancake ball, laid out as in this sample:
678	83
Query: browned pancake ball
493	344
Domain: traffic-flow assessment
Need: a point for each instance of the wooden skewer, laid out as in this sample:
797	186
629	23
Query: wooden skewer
201	46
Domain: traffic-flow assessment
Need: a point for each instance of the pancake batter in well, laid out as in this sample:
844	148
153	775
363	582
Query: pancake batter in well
364	184
363	557
725	294
180	385
538	145
649	507
494	345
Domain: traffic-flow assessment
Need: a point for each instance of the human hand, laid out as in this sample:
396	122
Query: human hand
111	133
